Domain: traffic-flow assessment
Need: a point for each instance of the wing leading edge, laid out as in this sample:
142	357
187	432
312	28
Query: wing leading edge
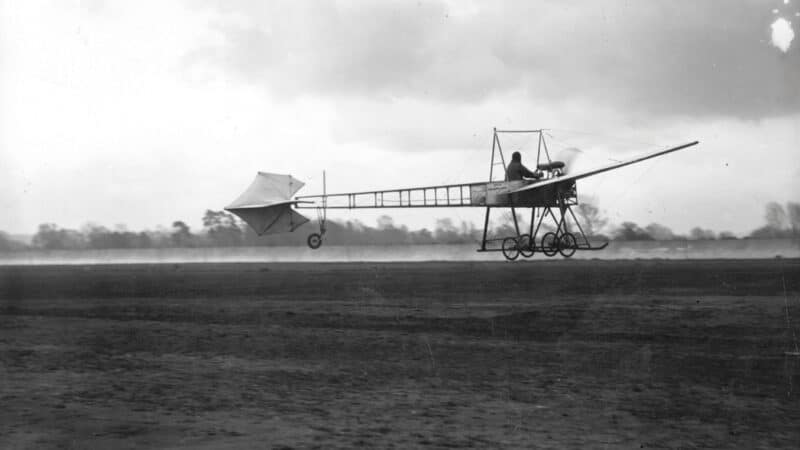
596	171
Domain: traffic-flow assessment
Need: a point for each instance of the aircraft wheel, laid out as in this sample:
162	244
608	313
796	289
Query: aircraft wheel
526	247
314	241
550	244
567	245
510	248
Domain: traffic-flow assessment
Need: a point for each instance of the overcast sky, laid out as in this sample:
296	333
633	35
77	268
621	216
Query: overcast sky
142	113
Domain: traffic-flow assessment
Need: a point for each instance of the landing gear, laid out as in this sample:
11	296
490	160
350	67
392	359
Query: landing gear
550	244
314	241
526	245
510	248
566	238
567	244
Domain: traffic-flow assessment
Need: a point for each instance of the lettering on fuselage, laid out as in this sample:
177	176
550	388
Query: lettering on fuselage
498	193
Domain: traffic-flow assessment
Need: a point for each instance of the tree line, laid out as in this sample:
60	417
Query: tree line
222	229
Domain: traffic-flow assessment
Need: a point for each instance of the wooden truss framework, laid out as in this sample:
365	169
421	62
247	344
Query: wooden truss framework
562	232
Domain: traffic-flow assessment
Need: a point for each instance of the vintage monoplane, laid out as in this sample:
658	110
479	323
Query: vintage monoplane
267	205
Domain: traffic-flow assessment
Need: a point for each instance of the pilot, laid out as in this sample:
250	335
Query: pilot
516	171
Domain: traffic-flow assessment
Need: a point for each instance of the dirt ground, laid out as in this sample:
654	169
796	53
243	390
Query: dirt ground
555	354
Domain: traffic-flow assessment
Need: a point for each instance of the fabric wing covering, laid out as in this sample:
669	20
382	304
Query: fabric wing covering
267	204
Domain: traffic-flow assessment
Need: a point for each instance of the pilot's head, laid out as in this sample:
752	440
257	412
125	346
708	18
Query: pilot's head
516	157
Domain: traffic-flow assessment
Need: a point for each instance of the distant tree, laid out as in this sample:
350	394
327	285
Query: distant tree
222	228
591	219
793	211
779	223
765	232
776	216
388	234
7	244
423	236
445	232
698	233
629	231
355	226
385	222
50	237
181	234
469	232
161	237
143	240
727	235
47	237
100	237
659	232
249	238
505	226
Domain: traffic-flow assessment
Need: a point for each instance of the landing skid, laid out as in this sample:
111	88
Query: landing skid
541	249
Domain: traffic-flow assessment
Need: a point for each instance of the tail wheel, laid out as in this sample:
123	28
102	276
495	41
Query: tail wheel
567	245
510	248
526	247
314	241
550	244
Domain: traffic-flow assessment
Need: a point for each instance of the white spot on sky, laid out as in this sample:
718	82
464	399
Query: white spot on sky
774	11
782	34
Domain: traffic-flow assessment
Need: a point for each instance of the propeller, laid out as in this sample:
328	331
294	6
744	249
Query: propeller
569	156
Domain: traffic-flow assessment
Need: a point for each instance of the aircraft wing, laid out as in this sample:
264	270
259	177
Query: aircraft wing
598	170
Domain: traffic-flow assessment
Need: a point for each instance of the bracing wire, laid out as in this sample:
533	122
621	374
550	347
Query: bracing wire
604	135
564	143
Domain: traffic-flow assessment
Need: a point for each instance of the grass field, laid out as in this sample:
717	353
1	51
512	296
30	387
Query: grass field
578	354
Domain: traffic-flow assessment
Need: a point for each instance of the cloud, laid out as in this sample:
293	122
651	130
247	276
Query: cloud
660	59
385	95
782	34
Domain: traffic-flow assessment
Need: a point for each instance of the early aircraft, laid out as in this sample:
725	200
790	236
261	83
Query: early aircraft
267	204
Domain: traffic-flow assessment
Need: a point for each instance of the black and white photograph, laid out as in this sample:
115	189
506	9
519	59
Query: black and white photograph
399	224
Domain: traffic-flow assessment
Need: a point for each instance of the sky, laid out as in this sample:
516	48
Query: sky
143	113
